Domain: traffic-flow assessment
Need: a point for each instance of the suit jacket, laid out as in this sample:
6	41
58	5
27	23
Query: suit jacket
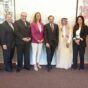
36	34
22	31
0	32
83	34
51	37
7	35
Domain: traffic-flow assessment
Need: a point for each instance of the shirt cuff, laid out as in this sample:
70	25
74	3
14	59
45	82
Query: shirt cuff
81	39
74	38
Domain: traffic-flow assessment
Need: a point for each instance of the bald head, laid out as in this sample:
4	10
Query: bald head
23	16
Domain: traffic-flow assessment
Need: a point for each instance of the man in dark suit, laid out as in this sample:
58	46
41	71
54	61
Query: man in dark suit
8	42
23	39
0	32
51	40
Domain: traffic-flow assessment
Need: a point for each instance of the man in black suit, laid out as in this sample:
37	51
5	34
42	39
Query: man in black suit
8	42
0	32
51	40
23	40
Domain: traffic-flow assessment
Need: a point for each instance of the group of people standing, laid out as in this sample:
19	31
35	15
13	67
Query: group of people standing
68	42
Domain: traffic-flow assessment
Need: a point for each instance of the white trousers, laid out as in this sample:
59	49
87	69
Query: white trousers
36	52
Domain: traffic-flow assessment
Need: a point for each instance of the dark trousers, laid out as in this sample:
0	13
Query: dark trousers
78	49
23	52
8	56
50	52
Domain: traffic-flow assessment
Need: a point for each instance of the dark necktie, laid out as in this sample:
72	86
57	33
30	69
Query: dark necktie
52	26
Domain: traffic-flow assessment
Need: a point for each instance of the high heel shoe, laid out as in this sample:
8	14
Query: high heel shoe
39	66
35	68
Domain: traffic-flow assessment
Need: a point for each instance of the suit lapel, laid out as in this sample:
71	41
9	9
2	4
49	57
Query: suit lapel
23	24
9	27
37	29
27	25
81	32
54	25
51	28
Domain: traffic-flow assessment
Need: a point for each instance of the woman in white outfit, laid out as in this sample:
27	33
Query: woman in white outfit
64	52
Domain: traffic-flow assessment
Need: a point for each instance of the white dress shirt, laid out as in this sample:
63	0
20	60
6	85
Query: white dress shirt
10	24
39	26
78	33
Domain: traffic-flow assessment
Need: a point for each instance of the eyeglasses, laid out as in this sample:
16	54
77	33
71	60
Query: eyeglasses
23	16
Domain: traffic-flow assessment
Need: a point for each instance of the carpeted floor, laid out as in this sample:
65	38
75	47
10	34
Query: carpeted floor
57	78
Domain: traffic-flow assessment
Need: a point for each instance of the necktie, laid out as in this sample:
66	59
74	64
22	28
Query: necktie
52	27
25	24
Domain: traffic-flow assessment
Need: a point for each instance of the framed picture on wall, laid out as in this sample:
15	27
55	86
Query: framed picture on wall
83	9
6	6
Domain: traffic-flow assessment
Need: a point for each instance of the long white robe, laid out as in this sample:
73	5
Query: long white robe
64	54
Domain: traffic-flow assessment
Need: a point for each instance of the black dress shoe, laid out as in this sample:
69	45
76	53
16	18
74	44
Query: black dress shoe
81	69
18	70
8	70
74	67
27	68
49	68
